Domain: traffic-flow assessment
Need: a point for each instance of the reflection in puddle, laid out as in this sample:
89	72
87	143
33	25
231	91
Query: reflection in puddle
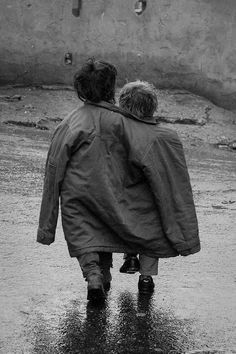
129	324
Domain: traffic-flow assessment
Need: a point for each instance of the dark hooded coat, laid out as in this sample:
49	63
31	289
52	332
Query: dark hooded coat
123	186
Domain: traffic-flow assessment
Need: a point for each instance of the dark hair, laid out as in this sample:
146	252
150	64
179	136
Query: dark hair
95	81
139	97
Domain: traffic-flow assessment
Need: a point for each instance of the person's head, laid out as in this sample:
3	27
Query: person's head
139	97
95	81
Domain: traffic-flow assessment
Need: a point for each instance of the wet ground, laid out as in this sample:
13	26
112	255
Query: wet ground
43	295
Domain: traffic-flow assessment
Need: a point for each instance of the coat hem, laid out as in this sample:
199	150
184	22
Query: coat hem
111	249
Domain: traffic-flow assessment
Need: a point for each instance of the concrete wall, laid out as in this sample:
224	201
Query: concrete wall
175	43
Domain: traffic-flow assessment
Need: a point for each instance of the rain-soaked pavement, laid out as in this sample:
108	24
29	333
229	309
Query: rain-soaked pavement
43	295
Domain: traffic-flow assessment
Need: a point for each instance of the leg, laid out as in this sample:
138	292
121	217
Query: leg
89	263
148	267
105	262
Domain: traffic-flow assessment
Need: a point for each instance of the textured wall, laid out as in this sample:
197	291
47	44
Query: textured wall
182	43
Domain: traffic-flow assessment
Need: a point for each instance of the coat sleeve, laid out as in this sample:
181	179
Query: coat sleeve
165	169
58	156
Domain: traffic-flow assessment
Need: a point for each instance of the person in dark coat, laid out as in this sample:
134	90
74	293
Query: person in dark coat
122	183
140	98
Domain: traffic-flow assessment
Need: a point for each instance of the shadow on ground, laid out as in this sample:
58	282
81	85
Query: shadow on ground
135	326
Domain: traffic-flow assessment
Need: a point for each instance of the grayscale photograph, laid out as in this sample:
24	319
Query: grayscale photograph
118	176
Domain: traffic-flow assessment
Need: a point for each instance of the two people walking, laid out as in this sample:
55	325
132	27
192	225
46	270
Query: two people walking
121	180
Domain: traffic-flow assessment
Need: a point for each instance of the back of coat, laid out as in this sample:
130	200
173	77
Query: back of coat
125	186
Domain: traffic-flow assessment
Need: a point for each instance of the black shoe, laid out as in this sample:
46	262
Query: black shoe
131	265
96	295
146	284
96	292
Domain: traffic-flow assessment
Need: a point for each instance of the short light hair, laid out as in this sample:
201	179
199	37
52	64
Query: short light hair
139	97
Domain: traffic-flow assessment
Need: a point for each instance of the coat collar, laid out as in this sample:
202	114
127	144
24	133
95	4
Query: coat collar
113	108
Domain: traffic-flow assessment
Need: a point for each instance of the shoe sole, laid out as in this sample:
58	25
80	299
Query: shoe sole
96	295
131	271
146	291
